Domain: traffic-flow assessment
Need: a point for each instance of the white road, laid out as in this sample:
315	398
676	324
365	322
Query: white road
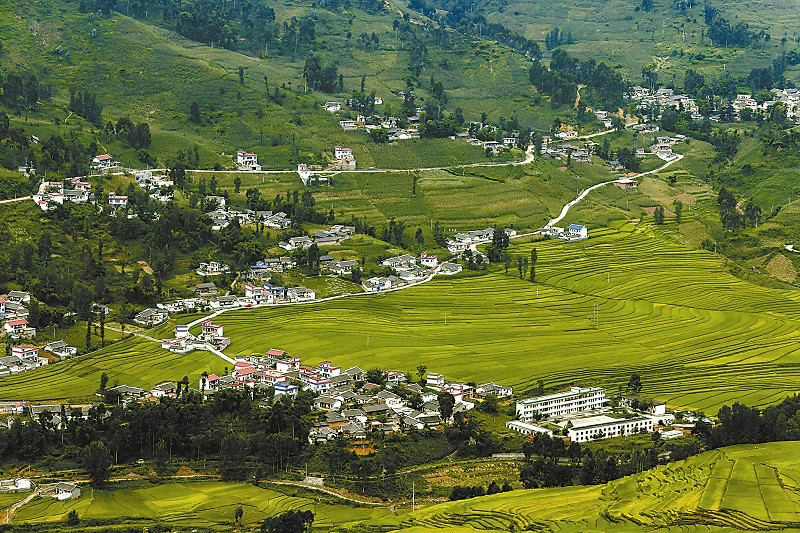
582	195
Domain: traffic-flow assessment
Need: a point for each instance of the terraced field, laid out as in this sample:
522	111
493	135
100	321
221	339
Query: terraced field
748	487
133	361
622	301
207	504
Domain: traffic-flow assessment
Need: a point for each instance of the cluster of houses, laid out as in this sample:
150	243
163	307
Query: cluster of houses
352	407
573	232
790	98
582	414
14	313
563	151
159	187
409	269
663	99
223	216
54	193
330	237
662	147
211	335
22	358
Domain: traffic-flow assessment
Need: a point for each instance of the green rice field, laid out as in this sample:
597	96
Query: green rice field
623	301
746	487
132	361
207	503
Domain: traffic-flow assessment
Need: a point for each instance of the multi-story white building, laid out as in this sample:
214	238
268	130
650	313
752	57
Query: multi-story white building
562	403
603	427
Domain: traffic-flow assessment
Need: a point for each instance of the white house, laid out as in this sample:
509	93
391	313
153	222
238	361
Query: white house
526	428
342	153
429	261
117	200
102	161
247	161
577	231
435	380
66	491
332	107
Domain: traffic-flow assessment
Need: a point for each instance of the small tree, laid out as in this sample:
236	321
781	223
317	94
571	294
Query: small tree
658	215
103	381
237	515
678	206
194	113
97	461
73	519
635	383
237	184
446	404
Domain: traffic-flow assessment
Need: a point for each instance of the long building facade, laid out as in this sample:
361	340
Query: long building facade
575	400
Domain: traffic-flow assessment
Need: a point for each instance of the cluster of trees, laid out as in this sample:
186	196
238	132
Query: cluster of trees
22	90
723	33
322	76
739	424
15	150
228	427
462	16
289	522
556	38
730	216
552	463
85	104
604	84
460	492
137	135
435	122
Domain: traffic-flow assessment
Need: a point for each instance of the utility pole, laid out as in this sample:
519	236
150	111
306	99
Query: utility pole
413	495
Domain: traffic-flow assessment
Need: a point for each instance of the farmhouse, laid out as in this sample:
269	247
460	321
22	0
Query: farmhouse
166	389
400	261
151	317
61	349
332	107
429	261
577	231
102	162
449	269
301	294
19	329
343	267
247	161
576	399
212	268
117	200
66	491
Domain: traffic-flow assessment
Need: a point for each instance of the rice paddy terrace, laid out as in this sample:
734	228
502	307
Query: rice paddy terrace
209	504
625	300
747	487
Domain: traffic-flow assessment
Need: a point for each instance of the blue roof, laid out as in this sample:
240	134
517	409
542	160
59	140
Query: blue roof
575	226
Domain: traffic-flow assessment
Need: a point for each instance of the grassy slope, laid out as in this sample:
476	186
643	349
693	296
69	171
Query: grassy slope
615	32
151	74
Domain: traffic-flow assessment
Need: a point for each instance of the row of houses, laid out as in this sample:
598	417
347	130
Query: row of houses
14	313
662	99
223	216
51	194
184	342
573	232
333	236
21	359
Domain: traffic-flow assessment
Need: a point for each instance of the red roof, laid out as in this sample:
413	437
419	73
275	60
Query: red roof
17	322
274	351
104	157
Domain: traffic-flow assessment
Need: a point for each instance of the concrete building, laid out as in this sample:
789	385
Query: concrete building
562	403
